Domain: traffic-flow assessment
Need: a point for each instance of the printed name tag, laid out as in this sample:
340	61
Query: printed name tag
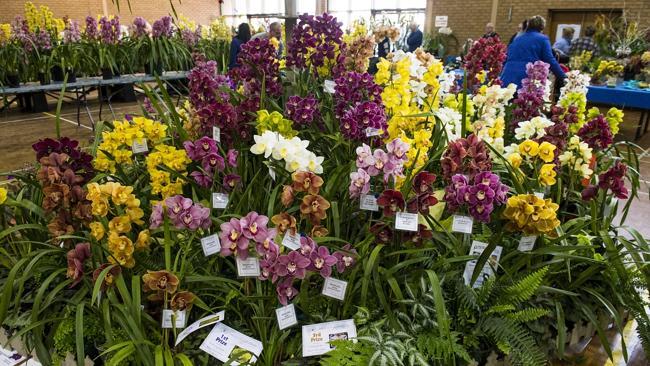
139	147
249	267
526	243
203	322
177	322
227	344
316	338
334	288
462	224
211	244
539	195
329	86
368	202
286	316
291	241
406	221
370	131
219	200
216	134
487	270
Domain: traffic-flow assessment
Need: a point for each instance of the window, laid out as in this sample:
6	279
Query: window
236	11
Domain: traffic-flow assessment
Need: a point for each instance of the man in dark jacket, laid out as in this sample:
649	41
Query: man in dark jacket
414	39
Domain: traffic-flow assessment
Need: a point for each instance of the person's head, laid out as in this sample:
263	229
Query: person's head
244	32
275	30
590	31
413	26
489	28
567	33
521	27
536	23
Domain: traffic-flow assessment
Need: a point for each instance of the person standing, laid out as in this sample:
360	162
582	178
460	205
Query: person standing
243	36
585	43
383	48
489	31
563	45
529	47
275	31
414	39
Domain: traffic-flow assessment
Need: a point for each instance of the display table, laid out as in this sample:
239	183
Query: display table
623	97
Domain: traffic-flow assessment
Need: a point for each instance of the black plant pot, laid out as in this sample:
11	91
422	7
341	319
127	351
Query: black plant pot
43	79
108	74
57	73
13	80
72	76
153	68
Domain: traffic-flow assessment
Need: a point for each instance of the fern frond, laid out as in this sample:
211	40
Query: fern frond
524	289
497	309
508	334
527	315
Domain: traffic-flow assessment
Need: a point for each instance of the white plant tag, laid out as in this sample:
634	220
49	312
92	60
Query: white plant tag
527	243
291	241
167	321
316	338
406	221
225	343
139	147
286	316
368	202
487	271
249	267
216	133
211	244
462	224
219	200
371	131
539	195
329	86
335	288
203	322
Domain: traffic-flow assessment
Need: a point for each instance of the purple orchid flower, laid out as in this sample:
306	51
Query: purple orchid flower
293	264
322	261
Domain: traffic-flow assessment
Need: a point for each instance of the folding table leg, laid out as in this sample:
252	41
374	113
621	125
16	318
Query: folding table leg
640	125
647	122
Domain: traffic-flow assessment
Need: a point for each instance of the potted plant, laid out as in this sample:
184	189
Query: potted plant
69	54
608	72
11	54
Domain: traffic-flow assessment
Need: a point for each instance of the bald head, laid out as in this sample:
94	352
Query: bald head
489	28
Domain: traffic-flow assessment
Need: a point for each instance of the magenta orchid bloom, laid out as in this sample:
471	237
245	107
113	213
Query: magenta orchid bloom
345	259
231	181
364	156
156	218
398	148
200	148
176	205
201	179
359	183
231	157
286	291
380	159
268	244
307	245
322	261
196	217
213	162
253	226
293	264
233	239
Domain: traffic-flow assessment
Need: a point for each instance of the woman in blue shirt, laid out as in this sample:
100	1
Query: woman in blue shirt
243	36
529	47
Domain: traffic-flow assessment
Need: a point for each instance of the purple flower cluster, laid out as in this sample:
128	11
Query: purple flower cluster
43	40
236	235
162	27
302	111
191	38
314	39
283	269
352	88
206	152
597	133
390	163
71	33
612	179
80	162
530	97
210	98
91	31
259	64
480	198
109	30
139	28
424	197
183	213
358	118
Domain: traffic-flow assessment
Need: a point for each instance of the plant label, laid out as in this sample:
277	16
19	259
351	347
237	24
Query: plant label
527	243
370	131
406	221
291	241
211	244
462	224
316	338
286	316
539	195
226	344
173	319
203	322
11	358
216	133
219	200
329	86
249	267
487	270
368	202
139	146
334	288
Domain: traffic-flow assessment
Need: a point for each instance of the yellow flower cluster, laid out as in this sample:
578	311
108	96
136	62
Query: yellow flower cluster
577	157
5	33
579	100
161	180
607	68
531	215
118	142
614	117
3	195
42	18
125	211
530	151
185	23
218	29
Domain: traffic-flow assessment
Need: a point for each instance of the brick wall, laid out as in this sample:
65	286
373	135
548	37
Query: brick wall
202	11
468	19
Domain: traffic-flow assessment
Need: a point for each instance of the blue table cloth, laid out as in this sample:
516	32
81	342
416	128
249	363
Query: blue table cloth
620	97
